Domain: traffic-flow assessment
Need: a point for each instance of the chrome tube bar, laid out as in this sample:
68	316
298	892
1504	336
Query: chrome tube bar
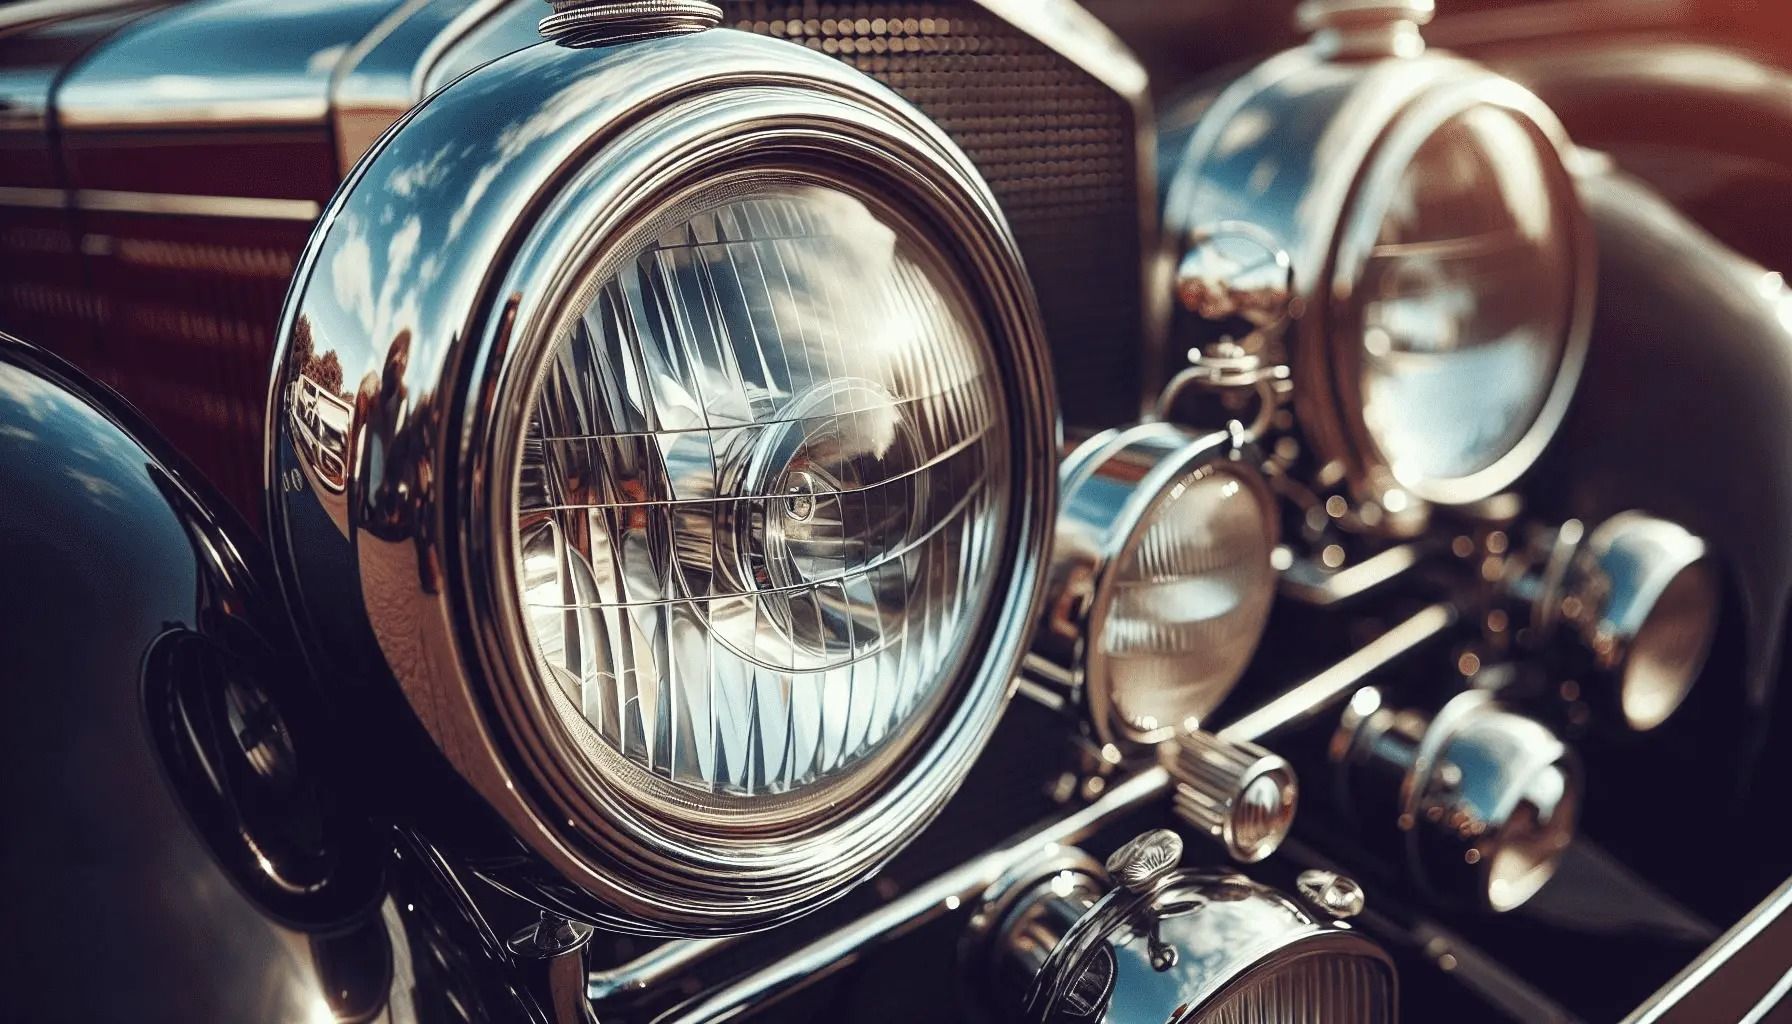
947	891
1307	699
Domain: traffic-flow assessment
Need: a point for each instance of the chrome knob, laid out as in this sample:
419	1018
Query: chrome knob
1140	863
1336	896
1238	794
1366	28
594	22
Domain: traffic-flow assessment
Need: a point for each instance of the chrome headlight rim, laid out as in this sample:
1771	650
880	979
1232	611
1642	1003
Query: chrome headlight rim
1386	163
1362	113
1177	454
651	114
783	859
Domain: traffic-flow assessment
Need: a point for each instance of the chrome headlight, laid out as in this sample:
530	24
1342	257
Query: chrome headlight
1440	264
1161	581
699	469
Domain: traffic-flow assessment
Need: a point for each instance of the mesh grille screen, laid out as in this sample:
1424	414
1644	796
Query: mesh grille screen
1313	990
1056	145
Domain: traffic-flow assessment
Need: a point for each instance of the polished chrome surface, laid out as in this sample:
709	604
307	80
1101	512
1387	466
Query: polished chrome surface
1644	597
1188	946
441	263
1239	795
753	573
1144	859
1366	29
1160	580
187	66
397	63
1299	149
591	22
1487	801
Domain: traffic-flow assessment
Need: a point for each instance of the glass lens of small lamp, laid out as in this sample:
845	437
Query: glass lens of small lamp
1190	593
1531	842
1465	300
1669	650
763	493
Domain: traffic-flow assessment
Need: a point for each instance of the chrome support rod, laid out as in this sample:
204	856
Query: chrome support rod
920	905
948	891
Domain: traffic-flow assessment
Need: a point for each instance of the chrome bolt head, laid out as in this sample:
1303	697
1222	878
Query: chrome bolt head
1138	865
1335	896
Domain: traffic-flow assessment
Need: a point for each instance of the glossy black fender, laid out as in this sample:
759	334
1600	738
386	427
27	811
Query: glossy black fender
1707	125
173	845
1685	410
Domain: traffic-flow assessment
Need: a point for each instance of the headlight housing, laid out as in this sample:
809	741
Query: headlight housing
1441	266
1161	580
703	413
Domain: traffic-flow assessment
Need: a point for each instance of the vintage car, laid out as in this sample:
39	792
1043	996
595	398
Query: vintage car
1213	512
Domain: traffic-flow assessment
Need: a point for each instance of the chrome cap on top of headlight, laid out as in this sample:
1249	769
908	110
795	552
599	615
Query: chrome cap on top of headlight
1160	583
672	420
1442	273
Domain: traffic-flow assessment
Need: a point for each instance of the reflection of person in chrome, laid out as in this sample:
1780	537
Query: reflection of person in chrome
380	414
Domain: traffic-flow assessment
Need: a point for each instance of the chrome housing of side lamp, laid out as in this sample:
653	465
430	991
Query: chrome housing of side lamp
1366	213
1063	938
1639	594
1480	802
558	352
1160	581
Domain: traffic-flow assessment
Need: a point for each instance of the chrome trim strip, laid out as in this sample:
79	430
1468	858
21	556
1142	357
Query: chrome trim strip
1307	699
214	113
969	880
1686	985
1771	1001
174	205
39	198
1305	582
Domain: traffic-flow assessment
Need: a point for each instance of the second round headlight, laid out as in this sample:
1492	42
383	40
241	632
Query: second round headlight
1161	579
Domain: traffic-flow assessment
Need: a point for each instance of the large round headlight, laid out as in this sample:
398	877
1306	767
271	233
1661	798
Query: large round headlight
1440	262
697	414
764	482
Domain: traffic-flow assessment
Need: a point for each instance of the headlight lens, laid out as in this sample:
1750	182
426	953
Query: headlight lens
765	483
1191	592
1465	299
1161	577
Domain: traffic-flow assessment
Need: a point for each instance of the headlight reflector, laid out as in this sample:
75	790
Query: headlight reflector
764	484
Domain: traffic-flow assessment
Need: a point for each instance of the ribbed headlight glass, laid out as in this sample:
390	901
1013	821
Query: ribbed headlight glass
1190	594
1465	299
763	492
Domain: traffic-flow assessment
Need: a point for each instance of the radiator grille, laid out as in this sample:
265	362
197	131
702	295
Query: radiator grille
1316	989
1057	146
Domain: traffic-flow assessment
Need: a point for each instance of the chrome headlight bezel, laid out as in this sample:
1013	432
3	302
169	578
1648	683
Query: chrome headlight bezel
601	139
1293	150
